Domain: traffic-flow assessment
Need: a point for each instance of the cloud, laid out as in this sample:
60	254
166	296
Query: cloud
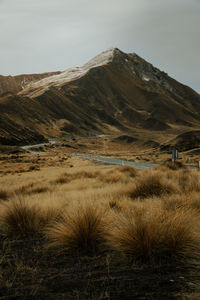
38	36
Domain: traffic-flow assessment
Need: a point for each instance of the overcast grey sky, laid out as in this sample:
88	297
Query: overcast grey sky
49	35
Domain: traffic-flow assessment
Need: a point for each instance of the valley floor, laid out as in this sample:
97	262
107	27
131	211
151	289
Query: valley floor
75	229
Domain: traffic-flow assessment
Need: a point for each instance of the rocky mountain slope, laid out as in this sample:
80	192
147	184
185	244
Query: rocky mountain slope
14	84
114	92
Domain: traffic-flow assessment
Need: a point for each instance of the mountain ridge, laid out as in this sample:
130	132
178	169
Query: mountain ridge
113	92
14	84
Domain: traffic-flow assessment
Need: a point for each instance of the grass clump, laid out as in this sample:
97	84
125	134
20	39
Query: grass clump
112	177
20	219
67	177
64	178
80	229
152	185
130	171
114	205
176	165
189	181
31	188
156	235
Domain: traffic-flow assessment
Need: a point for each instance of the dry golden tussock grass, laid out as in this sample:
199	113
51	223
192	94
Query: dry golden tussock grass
68	177
20	218
31	188
115	205
129	171
3	195
81	228
176	165
186	200
189	181
159	222
113	177
120	174
155	235
151	185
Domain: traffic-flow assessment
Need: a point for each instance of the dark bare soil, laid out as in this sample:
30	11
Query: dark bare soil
30	271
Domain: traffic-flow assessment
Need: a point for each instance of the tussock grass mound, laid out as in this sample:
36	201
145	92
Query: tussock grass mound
189	181
156	234
113	177
176	165
19	218
115	205
152	185
64	178
31	188
120	174
130	171
68	177
81	228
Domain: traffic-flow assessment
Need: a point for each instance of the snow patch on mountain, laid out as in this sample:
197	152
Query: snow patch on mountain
43	85
146	78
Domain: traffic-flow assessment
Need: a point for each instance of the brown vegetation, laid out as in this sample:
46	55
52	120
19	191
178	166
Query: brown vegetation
152	185
105	216
176	165
148	105
155	234
20	218
3	195
82	228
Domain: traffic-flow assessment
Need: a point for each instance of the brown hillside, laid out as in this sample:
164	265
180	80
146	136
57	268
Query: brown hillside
14	84
114	92
185	141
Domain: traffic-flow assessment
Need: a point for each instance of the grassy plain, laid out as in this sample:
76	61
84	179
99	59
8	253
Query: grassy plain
71	228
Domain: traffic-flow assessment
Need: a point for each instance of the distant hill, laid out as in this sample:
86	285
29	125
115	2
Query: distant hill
183	142
114	92
14	84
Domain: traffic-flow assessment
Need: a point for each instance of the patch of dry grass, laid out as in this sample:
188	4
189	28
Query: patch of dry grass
3	195
20	218
82	228
160	197
113	177
151	185
115	205
31	188
151	235
128	170
64	178
189	181
68	177
176	165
